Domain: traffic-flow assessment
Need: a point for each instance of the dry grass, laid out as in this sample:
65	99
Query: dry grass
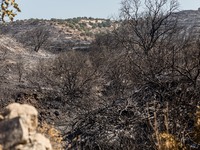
198	116
53	134
169	142
197	131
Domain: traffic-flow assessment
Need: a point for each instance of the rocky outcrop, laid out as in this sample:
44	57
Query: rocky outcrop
18	124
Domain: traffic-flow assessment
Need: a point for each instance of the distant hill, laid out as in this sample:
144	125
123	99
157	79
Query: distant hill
64	34
189	17
78	33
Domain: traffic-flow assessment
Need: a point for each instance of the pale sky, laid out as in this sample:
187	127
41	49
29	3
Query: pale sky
79	8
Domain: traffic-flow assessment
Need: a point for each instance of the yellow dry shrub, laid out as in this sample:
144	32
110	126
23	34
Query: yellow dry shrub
53	134
198	116
169	142
197	127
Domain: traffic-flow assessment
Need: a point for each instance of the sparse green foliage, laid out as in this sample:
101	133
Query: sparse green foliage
9	9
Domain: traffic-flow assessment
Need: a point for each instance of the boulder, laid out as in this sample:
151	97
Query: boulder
27	113
38	142
18	124
13	132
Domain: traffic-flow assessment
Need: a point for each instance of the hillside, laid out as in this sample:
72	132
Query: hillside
102	92
189	18
19	62
78	33
18	58
64	34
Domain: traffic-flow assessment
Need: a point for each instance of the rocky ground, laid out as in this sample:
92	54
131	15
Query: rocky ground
15	58
17	61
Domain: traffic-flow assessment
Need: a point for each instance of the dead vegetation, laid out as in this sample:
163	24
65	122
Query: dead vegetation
136	87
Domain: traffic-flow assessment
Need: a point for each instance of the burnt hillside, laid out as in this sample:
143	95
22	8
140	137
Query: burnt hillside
130	84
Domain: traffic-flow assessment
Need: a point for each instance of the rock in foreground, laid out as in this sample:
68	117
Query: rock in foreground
18	125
